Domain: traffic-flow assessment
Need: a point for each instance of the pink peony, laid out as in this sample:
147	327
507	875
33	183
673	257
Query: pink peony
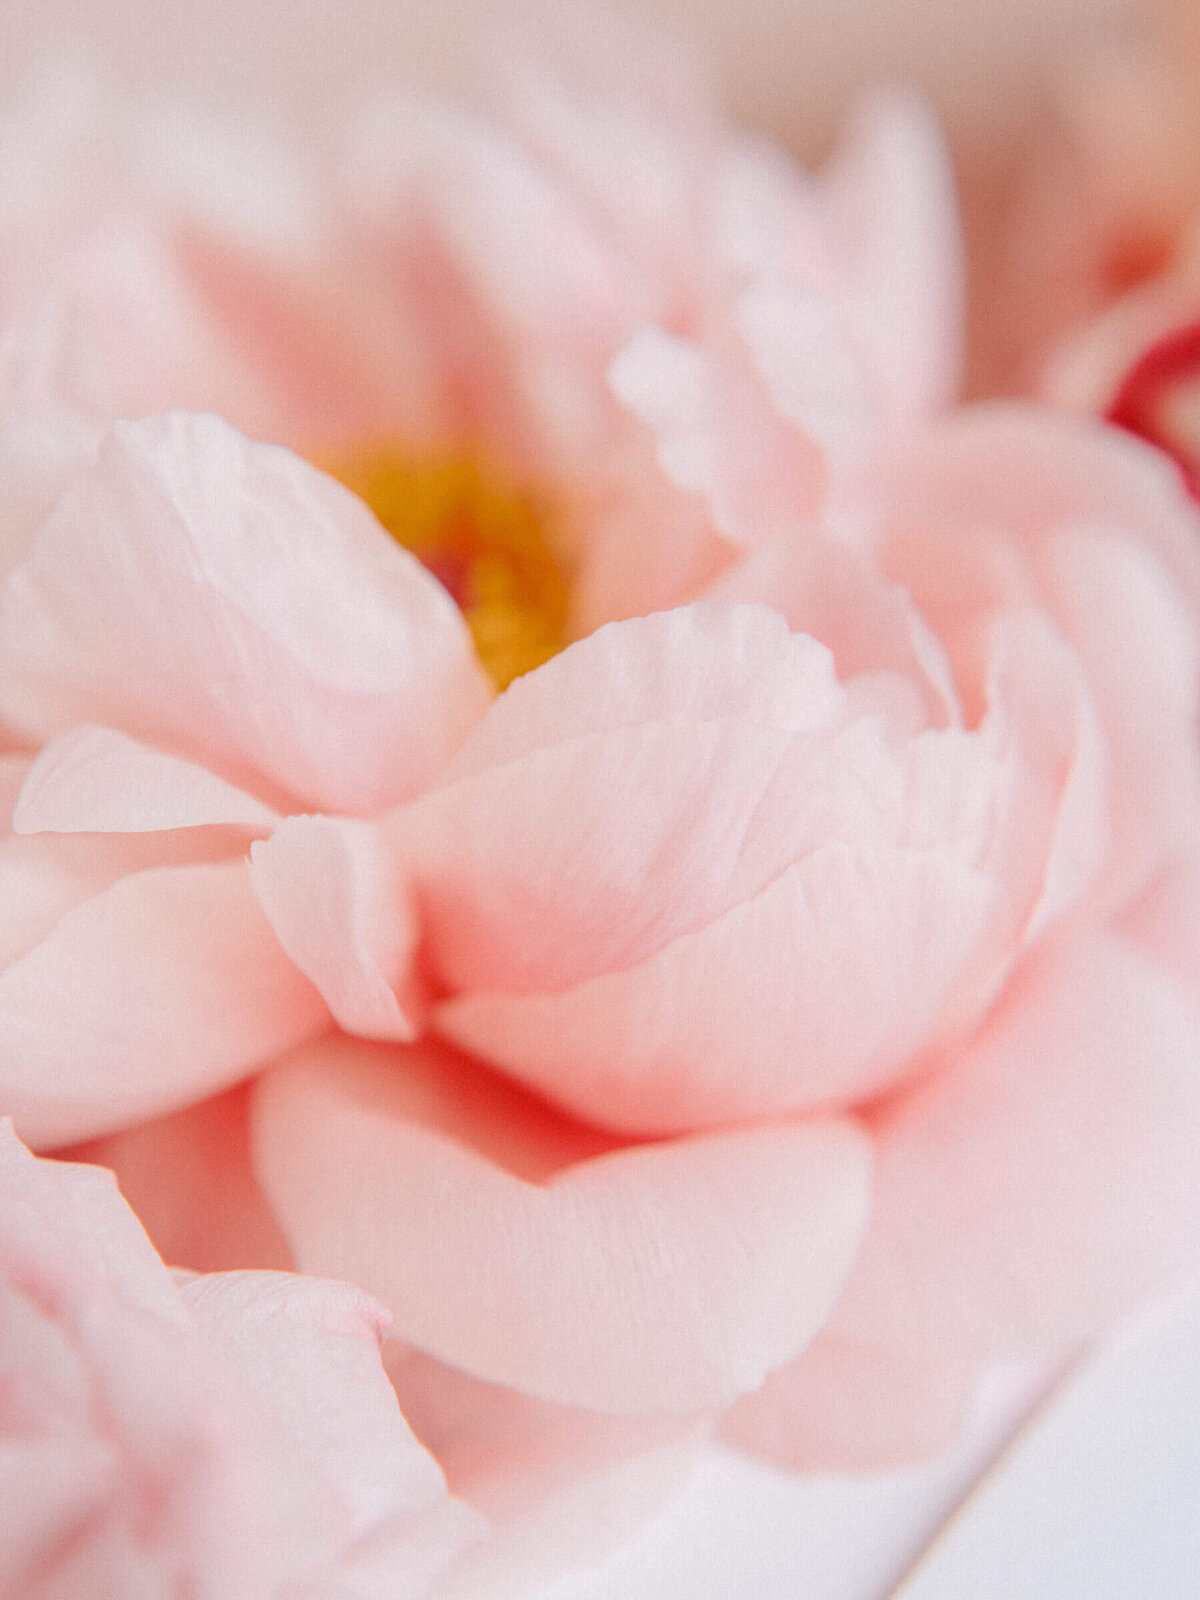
231	1435
777	1003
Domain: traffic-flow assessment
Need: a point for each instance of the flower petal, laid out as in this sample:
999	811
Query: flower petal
659	1278
94	780
95	1235
329	890
189	1178
311	1350
159	990
506	1452
229	602
816	991
1006	504
892	191
1028	1193
697	662
848	1406
1035	1187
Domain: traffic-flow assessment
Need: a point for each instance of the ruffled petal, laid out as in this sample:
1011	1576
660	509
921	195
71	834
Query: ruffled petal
67	1229
225	600
1008	506
189	1178
816	991
825	589
1035	1187
329	889
696	662
891	189
505	1452
715	422
658	1278
311	1350
159	990
95	780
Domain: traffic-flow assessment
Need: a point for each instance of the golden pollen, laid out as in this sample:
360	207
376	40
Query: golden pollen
481	539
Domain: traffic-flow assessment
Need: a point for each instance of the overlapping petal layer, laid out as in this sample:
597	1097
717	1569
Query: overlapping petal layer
154	603
250	1410
659	1277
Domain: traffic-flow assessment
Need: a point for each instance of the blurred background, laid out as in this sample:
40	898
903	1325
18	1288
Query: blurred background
1036	95
788	64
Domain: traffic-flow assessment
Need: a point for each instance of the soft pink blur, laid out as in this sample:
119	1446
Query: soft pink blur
231	1435
790	65
784	994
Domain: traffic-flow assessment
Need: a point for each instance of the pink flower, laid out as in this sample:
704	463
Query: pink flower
806	946
231	1435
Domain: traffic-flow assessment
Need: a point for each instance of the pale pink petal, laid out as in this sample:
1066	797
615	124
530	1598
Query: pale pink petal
816	991
1032	1189
161	989
228	601
695	662
1141	647
593	854
771	219
49	419
623	573
58	1215
507	1453
154	340
825	589
94	780
249	1411
717	430
814	369
50	1490
1054	826
623	123
1164	923
332	361
891	189
848	1406
42	877
1024	475
663	1277
1027	1194
492	206
311	1350
1006	506
189	1178
511	340
330	891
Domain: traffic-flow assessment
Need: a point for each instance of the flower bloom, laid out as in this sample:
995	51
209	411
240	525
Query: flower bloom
776	1003
231	1435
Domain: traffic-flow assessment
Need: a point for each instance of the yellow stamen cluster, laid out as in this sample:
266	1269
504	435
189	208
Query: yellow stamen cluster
479	537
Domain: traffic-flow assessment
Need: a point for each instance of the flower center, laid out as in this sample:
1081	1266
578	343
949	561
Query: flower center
1159	398
481	538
